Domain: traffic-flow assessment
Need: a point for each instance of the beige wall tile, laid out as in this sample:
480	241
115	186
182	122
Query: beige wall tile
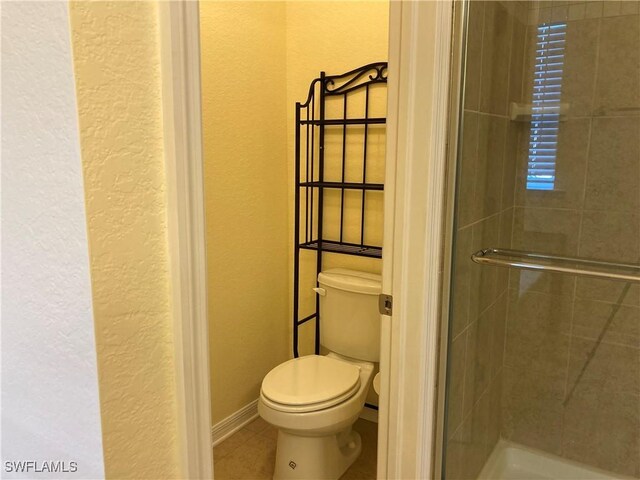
590	319
482	414
511	161
473	368
580	55
619	64
495	412
602	413
550	231
474	55
498	334
538	328
481	362
613	179
483	290
488	182
606	290
468	450
603	432
461	281
529	62
534	281
546	230
610	236
453	461
630	7
532	409
613	369
496	47
560	13
506	231
516	65
468	167
611	8
455	382
465	451
577	11
594	9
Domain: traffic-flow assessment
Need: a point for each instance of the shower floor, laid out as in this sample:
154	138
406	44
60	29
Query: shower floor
510	461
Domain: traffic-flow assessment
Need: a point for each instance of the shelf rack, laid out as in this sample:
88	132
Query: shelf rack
310	182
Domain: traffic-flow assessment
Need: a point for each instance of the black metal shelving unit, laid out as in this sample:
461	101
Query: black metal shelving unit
310	136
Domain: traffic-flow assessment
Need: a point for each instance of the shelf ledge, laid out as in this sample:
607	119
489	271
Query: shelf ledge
344	248
345	186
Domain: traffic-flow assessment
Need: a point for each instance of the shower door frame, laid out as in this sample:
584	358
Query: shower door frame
418	107
456	82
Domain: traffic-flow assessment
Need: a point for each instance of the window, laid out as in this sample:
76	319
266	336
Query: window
545	108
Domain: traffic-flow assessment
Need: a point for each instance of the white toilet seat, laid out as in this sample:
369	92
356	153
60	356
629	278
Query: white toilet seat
310	383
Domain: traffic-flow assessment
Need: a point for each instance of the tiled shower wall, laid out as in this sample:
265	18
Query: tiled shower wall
520	340
551	400
484	217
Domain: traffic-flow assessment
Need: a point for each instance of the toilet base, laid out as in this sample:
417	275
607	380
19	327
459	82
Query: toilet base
315	458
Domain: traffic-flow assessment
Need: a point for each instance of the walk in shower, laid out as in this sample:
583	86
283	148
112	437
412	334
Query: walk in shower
543	348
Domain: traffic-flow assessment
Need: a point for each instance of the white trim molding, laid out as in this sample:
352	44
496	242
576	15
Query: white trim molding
234	422
180	56
369	414
419	119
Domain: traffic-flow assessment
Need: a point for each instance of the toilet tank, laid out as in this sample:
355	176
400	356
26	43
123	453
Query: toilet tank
349	317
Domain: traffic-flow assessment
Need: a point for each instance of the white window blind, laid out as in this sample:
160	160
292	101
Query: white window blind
545	110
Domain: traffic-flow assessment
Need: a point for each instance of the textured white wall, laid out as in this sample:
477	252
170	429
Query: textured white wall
116	52
50	406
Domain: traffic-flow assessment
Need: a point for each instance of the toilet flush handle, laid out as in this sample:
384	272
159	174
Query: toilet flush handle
320	291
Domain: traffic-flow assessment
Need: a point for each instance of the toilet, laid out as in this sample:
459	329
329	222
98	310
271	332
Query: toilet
314	400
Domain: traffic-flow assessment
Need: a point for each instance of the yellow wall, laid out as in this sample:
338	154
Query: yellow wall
245	151
258	59
117	69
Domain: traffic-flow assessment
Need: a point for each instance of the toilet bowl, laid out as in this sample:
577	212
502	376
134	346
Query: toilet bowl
315	439
315	400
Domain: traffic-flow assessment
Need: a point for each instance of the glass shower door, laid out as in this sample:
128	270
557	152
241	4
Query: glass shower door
543	367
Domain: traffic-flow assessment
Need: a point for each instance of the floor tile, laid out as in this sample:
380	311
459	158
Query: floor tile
258	425
232	443
254	460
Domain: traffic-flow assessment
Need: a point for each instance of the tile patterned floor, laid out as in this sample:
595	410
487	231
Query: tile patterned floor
249	454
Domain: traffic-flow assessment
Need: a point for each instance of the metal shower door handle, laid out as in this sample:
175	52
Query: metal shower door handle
553	263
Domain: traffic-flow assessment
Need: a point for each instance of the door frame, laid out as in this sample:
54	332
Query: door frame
419	77
182	128
418	93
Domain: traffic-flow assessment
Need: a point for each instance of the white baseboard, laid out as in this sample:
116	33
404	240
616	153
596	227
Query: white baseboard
369	414
234	422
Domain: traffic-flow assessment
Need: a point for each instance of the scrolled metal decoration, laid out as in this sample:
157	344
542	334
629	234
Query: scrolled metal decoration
355	79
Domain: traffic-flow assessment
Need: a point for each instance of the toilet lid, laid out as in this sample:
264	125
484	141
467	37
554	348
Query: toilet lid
314	379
